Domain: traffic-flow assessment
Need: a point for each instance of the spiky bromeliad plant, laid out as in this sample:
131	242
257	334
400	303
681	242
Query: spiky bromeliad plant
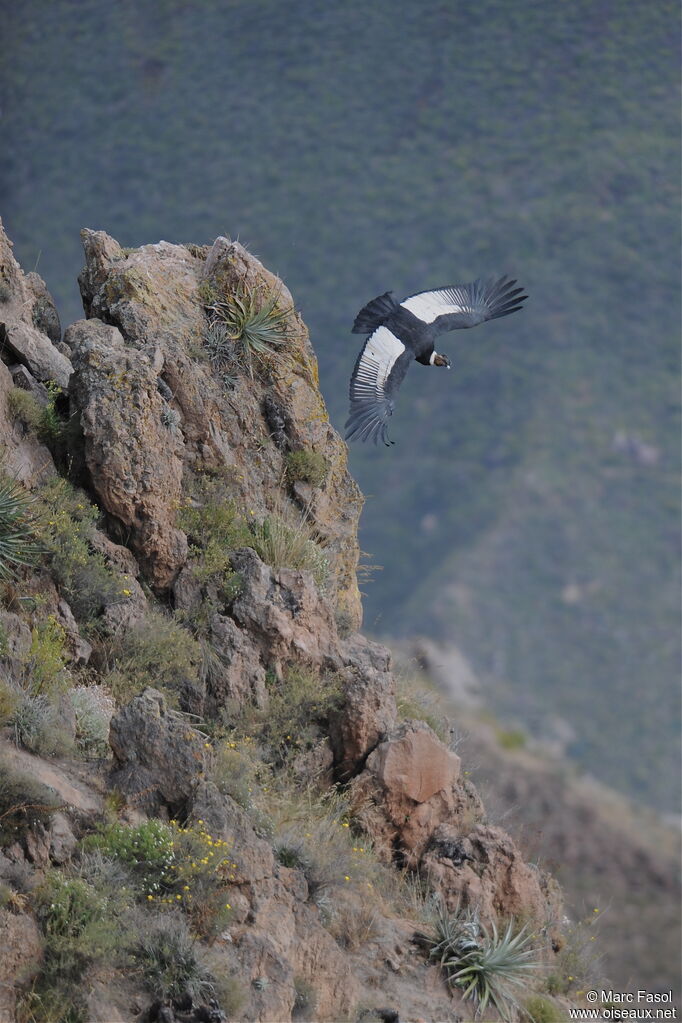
247	330
18	545
487	966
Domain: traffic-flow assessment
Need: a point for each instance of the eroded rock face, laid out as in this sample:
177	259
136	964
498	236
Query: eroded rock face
485	869
134	460
158	756
153	296
283	613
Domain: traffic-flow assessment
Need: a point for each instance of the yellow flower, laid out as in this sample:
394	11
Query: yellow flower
150	898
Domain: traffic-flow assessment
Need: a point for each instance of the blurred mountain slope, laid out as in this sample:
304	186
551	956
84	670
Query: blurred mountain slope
529	510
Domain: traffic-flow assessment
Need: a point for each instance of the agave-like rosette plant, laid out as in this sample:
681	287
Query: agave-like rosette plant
247	329
486	967
18	545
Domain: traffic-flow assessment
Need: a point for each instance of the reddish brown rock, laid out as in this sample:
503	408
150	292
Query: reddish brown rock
409	787
485	869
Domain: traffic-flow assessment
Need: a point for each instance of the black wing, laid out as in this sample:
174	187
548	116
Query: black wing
374	313
465	305
379	372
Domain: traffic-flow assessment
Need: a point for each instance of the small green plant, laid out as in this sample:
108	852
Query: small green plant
170	960
23	802
284	545
18	543
64	528
305	1001
541	1009
42	420
247	330
157	652
44	669
187	868
298	711
487	966
307	466
38	726
81	927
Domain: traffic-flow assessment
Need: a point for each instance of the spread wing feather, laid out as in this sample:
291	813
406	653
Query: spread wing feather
374	313
465	305
379	372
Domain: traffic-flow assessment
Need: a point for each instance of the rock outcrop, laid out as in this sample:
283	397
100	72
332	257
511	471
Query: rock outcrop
155	429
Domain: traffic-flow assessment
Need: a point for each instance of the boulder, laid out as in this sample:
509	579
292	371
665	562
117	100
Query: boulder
485	869
239	675
410	786
158	756
284	614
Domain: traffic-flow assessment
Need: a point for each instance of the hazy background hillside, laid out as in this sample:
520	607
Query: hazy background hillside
529	510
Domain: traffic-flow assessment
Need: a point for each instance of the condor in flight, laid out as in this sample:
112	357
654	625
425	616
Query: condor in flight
402	331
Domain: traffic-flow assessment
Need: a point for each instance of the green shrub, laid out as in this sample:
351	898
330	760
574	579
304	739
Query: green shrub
540	1009
147	848
187	868
18	543
44	669
156	652
93	710
39	726
23	802
25	407
65	527
307	466
81	927
298	711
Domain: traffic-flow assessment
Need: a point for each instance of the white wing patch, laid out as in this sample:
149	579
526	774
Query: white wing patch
381	352
429	305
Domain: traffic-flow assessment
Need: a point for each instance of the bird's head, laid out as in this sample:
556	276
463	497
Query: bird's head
441	360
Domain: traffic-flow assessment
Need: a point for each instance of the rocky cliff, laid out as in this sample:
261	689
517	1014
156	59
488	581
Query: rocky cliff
210	804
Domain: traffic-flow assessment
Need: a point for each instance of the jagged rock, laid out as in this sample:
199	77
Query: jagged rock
44	312
239	676
134	462
366	717
77	648
158	756
62	839
283	613
490	873
153	293
33	348
21	377
410	785
21	955
17	644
